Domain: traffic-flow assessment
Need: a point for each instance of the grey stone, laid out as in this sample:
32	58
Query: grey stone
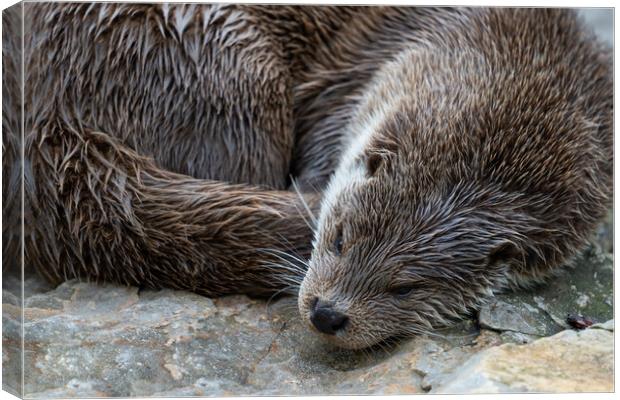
609	325
107	340
517	317
517	337
584	287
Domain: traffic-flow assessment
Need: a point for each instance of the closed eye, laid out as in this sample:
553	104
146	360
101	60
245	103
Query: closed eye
338	241
402	290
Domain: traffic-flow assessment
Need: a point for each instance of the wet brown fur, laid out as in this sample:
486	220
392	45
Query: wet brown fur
160	141
491	165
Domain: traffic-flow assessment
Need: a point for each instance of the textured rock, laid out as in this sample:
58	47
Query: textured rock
604	238
571	361
103	340
584	288
519	318
90	340
608	325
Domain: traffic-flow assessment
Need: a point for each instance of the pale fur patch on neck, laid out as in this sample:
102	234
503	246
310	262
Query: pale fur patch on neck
380	102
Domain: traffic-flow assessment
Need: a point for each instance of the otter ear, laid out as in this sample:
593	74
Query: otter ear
503	252
374	161
380	154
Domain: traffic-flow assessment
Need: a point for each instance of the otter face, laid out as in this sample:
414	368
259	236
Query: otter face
395	258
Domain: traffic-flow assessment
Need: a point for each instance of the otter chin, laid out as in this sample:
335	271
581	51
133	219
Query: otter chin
475	165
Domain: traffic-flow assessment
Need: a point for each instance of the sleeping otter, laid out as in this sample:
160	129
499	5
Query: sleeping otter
449	153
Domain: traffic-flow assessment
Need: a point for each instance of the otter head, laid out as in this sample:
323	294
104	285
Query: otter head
406	241
394	256
460	179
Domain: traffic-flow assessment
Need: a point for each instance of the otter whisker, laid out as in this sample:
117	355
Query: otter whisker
282	256
296	258
284	276
283	290
286	265
287	282
285	273
305	204
366	349
381	344
412	331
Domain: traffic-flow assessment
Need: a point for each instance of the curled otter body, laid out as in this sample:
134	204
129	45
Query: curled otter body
449	153
160	139
158	142
480	159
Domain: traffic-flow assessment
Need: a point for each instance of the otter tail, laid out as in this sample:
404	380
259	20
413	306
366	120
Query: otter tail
101	211
93	206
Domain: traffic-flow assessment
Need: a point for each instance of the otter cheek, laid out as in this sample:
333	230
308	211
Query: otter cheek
305	299
308	290
302	301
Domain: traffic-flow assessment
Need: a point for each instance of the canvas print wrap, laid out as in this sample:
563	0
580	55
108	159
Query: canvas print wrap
233	200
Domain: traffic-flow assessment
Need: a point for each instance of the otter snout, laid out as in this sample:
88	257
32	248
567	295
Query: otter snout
325	318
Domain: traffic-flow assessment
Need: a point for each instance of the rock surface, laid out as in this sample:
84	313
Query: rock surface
553	364
584	288
89	340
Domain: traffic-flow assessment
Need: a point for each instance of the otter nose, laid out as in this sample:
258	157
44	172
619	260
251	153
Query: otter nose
326	319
